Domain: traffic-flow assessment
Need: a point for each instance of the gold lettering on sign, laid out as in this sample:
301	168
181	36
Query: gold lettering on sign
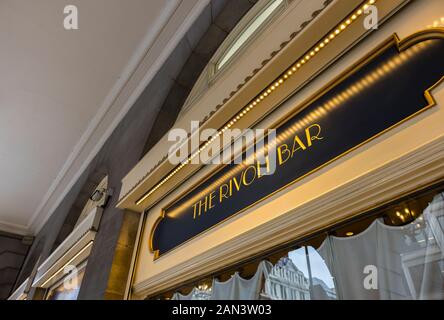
260	173
198	206
237	184
224	192
211	204
297	145
253	173
245	175
283	151
310	136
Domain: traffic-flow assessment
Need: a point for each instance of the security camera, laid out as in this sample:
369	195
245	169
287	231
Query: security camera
97	195
101	196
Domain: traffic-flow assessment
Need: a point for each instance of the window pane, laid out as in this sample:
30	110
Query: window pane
395	252
248	32
302	275
68	289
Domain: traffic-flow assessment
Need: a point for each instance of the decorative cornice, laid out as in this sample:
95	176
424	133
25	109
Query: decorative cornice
246	80
419	168
13	228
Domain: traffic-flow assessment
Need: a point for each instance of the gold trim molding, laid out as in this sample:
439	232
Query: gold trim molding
394	40
269	90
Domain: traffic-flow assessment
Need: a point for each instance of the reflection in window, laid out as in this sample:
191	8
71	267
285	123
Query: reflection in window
386	262
302	275
68	288
201	292
393	253
287	282
249	31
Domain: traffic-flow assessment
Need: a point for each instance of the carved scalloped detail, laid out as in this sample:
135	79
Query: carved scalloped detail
240	86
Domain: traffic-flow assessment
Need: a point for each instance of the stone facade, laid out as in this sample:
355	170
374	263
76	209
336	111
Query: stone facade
149	119
13	250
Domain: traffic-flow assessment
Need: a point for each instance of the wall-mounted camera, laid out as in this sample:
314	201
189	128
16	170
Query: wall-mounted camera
101	196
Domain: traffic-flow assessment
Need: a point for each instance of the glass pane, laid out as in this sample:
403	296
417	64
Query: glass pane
301	275
200	292
68	289
391	262
396	253
248	32
322	284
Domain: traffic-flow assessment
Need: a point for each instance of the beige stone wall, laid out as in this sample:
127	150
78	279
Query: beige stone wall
402	159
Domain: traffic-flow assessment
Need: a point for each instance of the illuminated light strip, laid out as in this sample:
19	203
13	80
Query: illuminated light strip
319	112
69	262
437	23
269	90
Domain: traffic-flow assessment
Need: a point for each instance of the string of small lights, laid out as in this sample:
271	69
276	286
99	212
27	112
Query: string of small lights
266	92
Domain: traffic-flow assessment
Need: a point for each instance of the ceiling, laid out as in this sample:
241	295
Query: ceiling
62	92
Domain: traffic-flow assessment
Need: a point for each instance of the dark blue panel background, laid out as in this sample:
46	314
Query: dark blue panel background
385	103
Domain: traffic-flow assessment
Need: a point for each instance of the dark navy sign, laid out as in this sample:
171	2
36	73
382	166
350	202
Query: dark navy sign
385	89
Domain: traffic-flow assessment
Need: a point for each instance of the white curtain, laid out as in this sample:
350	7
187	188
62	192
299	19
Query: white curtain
382	262
406	261
238	288
179	296
432	284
